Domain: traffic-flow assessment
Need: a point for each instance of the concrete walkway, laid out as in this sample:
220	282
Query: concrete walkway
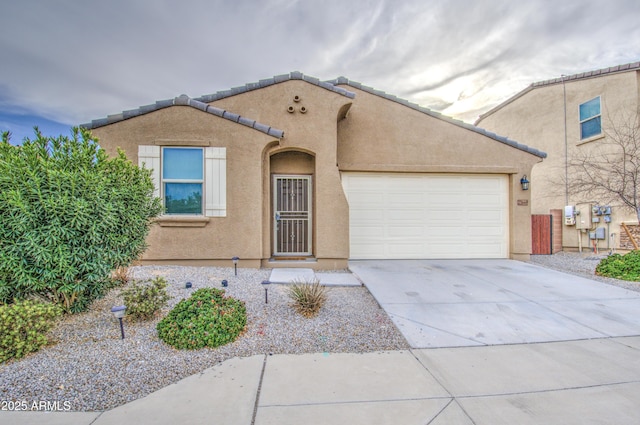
296	275
519	344
574	382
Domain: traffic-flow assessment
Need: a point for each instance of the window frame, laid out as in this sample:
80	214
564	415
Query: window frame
591	118
215	181
200	181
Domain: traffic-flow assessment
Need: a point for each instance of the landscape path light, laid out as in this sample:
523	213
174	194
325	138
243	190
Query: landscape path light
225	283
265	284
187	286
235	264
119	311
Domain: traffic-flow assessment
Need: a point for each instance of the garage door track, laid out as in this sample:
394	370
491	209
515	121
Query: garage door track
454	303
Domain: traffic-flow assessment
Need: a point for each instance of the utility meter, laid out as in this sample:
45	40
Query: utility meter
569	215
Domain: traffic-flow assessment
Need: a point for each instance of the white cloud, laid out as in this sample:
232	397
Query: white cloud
74	61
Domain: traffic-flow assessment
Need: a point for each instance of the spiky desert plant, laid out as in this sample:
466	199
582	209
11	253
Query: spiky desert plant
308	296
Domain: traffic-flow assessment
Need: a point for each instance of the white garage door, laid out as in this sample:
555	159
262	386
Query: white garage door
405	216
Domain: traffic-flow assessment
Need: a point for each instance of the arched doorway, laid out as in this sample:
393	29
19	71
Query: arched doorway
292	204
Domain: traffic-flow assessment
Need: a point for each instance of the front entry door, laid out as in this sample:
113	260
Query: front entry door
292	215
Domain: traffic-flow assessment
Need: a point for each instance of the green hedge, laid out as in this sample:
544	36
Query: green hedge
69	215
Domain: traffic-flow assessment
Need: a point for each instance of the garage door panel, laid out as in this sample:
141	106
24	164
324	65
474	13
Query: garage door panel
406	250
399	216
406	232
427	215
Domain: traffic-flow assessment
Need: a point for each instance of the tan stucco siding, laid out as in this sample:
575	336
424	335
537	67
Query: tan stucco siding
313	132
380	135
537	117
241	231
325	133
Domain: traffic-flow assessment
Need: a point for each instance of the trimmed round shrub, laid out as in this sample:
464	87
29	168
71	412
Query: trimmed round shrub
206	319
23	327
624	267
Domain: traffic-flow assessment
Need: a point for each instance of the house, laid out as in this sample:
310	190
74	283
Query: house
293	171
568	117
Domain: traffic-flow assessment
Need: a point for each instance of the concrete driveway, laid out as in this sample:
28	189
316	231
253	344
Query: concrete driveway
456	303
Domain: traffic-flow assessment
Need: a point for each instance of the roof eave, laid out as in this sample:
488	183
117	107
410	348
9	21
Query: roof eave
184	100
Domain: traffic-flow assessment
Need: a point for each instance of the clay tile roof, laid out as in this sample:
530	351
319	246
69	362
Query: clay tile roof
634	66
201	103
295	75
184	100
427	111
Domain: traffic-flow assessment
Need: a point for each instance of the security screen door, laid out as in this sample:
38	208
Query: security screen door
292	215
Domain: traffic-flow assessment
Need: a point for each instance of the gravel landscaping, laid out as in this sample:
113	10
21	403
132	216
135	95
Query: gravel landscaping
88	364
89	367
580	264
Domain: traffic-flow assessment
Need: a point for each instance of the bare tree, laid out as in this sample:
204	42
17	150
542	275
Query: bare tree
609	169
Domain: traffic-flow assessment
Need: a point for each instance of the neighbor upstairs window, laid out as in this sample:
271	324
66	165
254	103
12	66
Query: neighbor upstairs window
182	180
590	119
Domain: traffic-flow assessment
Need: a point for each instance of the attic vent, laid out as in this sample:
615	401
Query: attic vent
297	98
290	109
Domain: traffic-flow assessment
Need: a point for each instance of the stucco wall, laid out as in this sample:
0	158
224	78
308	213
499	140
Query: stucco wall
537	118
325	133
241	232
313	132
380	135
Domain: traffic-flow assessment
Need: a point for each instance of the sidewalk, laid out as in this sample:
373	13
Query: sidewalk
573	382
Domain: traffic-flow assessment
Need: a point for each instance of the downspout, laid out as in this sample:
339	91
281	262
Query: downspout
566	155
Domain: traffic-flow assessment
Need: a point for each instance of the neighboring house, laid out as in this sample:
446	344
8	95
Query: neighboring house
567	117
293	171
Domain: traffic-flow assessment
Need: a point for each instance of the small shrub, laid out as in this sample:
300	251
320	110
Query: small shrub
624	267
121	275
206	319
23	327
145	299
308	297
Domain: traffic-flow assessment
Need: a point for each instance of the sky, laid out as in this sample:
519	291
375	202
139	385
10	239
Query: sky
67	62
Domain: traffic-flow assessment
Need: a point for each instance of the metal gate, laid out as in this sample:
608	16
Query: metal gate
292	215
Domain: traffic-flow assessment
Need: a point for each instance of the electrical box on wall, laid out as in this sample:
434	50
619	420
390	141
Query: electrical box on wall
583	216
569	215
599	233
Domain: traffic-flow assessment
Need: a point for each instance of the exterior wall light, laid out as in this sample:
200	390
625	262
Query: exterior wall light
265	284
524	182
119	311
235	264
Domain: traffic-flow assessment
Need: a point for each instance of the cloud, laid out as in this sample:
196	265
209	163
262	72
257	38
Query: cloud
72	61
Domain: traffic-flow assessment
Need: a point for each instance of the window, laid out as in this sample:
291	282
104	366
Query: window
590	119
182	180
192	180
